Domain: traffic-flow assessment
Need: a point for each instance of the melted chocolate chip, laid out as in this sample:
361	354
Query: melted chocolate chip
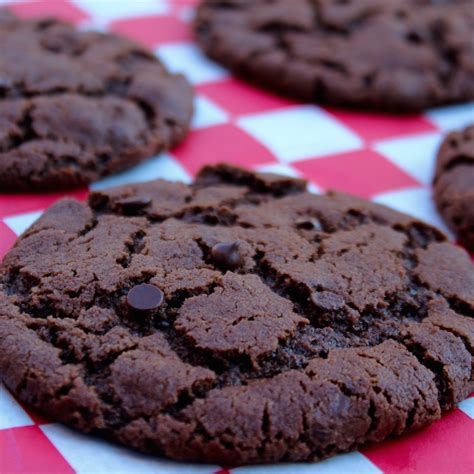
309	223
327	300
5	84
227	255
134	203
144	297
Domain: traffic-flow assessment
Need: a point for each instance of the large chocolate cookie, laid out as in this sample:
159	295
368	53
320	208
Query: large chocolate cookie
237	320
454	184
386	54
75	106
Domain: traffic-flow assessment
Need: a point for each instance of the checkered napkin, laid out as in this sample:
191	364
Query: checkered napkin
384	158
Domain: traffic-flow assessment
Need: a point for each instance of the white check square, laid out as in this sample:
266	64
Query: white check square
452	117
467	407
87	454
349	463
104	11
299	133
186	58
20	222
279	168
417	202
12	414
416	155
159	167
207	113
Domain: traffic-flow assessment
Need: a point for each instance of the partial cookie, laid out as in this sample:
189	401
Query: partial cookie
397	55
236	320
454	184
76	106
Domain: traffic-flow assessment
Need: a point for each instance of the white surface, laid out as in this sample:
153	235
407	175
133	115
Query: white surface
279	168
351	463
295	133
187	59
88	455
105	11
20	222
416	155
162	166
11	413
416	202
452	117
207	113
467	406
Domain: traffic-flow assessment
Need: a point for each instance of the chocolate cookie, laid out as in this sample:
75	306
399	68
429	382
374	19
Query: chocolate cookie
237	320
454	184
396	55
75	106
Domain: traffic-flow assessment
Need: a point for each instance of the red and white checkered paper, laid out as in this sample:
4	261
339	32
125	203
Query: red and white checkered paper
384	158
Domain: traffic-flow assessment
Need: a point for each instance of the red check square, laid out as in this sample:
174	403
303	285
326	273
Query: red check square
218	144
11	204
371	127
63	10
239	98
444	447
363	173
34	453
7	239
153	30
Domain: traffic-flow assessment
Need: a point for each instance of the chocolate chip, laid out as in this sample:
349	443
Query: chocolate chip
352	316
309	223
144	297
5	84
134	203
227	255
327	300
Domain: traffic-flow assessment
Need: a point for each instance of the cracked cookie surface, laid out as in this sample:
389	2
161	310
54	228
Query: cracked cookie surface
454	184
76	106
239	319
388	55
